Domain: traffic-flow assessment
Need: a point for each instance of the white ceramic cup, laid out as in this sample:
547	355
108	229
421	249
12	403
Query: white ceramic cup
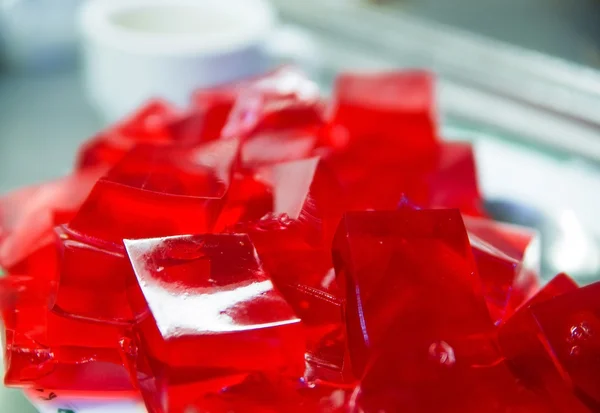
134	50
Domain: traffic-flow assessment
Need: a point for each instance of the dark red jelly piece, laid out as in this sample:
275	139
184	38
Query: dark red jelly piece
533	355
419	333
569	329
413	267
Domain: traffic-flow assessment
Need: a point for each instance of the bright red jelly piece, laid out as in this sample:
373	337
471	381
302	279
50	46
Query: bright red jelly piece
419	333
301	268
284	99
158	191
413	267
529	353
395	107
32	364
278	102
28	216
51	351
516	241
294	244
377	174
94	277
553	343
248	199
424	375
507	257
215	105
452	182
158	123
153	191
149	124
570	324
243	323
24	302
278	118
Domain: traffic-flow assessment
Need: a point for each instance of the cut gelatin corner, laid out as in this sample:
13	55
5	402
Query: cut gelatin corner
268	249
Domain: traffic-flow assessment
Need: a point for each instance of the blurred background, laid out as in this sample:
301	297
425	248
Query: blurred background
518	78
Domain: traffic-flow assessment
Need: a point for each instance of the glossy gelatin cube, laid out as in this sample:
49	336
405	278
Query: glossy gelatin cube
158	191
413	267
507	260
149	124
531	354
209	292
397	107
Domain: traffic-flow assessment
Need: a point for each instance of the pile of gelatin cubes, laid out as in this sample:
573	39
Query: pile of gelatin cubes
270	250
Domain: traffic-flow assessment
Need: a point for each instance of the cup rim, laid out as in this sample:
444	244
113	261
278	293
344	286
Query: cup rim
97	23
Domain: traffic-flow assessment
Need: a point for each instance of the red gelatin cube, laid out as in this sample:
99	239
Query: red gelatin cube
433	378
24	302
396	107
245	325
294	245
248	199
419	334
94	277
528	350
452	183
516	241
214	104
307	191
569	325
301	269
149	124
48	350
158	191
28	216
265	394
377	174
284	99
30	365
507	259
408	266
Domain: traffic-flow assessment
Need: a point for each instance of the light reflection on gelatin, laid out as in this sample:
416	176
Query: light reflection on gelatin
578	334
443	353
182	315
203	281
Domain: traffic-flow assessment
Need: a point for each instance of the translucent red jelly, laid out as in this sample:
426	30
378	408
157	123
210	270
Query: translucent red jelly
210	292
268	250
